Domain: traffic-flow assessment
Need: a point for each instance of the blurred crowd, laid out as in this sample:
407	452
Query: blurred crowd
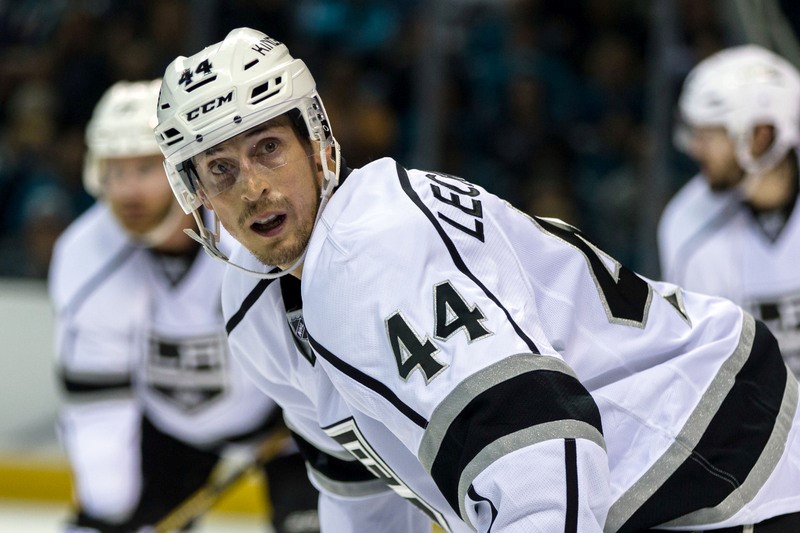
541	102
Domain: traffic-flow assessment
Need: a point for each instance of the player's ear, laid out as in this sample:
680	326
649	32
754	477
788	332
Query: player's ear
328	158
317	161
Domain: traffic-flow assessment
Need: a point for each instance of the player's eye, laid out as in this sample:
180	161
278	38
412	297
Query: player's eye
269	152
269	146
221	174
220	167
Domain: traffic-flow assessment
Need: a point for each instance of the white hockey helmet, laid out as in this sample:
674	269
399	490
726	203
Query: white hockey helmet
121	126
224	90
740	88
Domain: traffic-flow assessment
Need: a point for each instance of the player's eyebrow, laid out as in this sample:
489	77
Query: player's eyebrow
271	124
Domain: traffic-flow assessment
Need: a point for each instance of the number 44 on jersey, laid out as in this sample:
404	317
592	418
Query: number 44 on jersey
452	314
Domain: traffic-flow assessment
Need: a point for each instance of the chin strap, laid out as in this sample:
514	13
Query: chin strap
755	167
209	240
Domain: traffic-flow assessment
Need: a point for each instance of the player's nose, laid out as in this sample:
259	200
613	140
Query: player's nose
253	179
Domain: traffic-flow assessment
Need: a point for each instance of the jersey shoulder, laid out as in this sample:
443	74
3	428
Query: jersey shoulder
695	203
367	246
368	215
368	240
92	243
693	211
392	280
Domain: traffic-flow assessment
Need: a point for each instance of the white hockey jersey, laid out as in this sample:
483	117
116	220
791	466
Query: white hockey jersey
712	243
130	340
448	330
267	332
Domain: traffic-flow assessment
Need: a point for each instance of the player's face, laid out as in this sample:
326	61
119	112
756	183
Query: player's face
137	191
715	152
264	185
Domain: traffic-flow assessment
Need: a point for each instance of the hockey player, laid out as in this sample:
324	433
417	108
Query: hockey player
733	230
498	371
152	396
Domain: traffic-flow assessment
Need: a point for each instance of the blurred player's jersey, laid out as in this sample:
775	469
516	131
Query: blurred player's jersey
127	315
445	374
714	243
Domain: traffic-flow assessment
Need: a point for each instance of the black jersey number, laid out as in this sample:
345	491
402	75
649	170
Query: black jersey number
625	296
451	315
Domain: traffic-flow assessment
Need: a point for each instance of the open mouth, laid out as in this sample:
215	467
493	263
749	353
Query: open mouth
267	227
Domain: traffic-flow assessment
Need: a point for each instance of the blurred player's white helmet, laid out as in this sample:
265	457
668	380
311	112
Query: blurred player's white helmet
121	126
224	90
740	88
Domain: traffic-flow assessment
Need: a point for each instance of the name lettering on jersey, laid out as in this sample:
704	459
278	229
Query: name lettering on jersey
349	436
462	197
215	103
451	315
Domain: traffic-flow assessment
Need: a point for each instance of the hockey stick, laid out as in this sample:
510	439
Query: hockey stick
218	484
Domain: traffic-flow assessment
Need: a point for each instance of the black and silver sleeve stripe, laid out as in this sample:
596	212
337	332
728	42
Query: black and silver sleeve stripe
728	447
343	475
517	402
85	387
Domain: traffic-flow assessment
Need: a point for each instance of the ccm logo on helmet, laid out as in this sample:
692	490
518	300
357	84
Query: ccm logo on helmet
209	106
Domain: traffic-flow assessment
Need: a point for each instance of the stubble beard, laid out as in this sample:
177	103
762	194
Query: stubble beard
140	227
727	180
285	253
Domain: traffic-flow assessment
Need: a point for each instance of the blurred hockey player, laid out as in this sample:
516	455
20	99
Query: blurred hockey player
734	230
152	399
498	371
